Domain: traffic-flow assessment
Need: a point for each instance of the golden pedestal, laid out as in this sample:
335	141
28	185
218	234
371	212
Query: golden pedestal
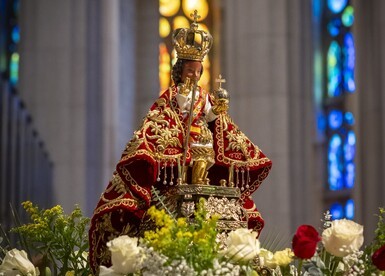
223	201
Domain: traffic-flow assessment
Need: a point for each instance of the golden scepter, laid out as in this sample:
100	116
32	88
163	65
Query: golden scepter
185	144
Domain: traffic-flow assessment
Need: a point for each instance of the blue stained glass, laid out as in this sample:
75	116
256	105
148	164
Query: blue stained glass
350	146
349	118
335	142
334	27
333	69
349	62
16	34
317	9
337	6
335	119
335	177
348	16
337	211
349	209
350	175
321	122
351	138
335	166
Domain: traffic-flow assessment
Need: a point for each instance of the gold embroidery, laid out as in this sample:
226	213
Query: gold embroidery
254	214
205	137
127	202
104	232
161	134
133	145
254	186
221	125
236	155
164	136
237	142
117	185
133	183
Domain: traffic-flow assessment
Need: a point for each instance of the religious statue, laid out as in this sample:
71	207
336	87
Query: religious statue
187	142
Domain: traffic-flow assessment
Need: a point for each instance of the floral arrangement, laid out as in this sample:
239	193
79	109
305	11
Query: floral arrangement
177	247
337	250
56	244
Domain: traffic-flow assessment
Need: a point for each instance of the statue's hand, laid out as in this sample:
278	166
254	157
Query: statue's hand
186	87
221	106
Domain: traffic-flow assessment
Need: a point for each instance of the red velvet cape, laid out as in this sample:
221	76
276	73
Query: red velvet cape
151	159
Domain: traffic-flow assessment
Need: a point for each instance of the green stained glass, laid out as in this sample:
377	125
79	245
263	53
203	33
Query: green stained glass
333	69
14	68
348	16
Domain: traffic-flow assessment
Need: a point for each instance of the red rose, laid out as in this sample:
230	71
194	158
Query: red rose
305	241
378	258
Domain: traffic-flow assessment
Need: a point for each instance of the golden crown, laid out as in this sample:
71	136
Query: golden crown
192	44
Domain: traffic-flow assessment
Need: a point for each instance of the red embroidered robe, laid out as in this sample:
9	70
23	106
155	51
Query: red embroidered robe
151	158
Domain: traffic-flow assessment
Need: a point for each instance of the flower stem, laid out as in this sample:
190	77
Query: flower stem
327	259
335	265
299	268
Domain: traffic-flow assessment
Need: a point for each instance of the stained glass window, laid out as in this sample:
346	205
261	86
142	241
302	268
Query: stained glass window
336	6
349	62
336	18
337	211
334	69
342	209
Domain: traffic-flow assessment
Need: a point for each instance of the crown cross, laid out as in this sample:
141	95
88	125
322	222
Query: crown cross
195	15
191	43
220	81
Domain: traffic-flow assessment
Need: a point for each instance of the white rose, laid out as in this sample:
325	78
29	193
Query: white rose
16	260
242	245
343	237
105	271
10	273
126	256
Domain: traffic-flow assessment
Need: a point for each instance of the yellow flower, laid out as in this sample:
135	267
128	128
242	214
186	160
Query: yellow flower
283	257
187	234
164	231
179	235
181	222
159	216
266	258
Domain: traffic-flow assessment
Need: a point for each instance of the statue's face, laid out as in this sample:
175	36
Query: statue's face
192	69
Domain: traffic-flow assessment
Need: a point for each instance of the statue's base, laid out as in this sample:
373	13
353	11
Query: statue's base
219	200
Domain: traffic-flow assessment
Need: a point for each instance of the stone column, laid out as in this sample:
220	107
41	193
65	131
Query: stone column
369	29
268	67
87	67
147	66
52	85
